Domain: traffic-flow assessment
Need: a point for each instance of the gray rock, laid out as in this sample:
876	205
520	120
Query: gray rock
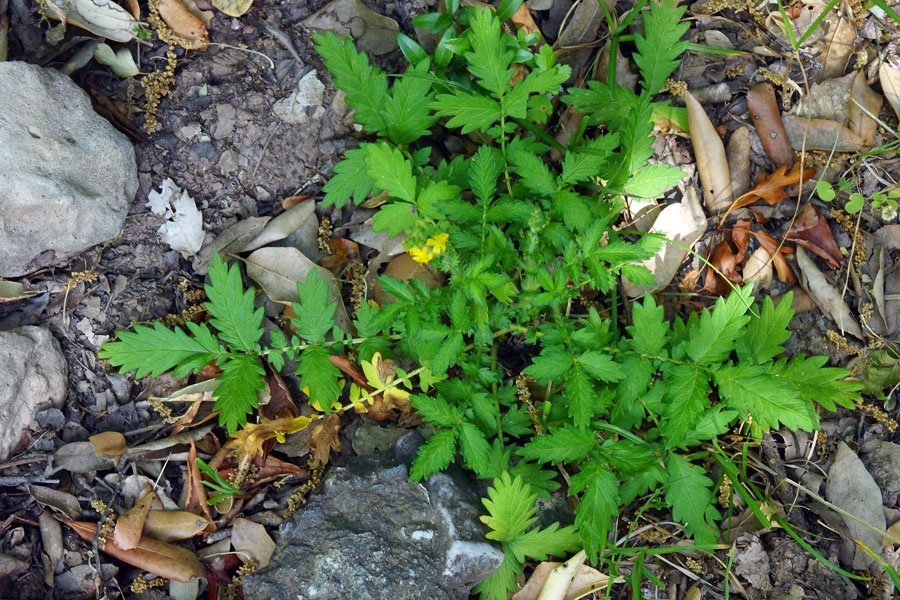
32	378
67	177
369	533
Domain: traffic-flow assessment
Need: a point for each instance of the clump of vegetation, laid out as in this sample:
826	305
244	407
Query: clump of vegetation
533	261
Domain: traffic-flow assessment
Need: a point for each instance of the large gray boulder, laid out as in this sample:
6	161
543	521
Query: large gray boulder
370	534
32	378
67	177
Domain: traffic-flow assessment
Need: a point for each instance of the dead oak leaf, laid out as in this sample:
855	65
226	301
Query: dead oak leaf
771	188
323	439
811	231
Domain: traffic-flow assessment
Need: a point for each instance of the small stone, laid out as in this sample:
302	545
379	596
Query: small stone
228	162
32	378
303	104
189	131
226	116
539	4
52	419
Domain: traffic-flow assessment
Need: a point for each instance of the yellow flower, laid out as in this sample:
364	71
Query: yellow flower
421	255
438	242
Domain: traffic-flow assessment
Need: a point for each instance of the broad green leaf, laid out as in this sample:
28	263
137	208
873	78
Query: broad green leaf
315	314
560	445
764	335
598	506
390	171
153	351
653	180
650	331
768	399
689	494
240	379
601	366
434	455
231	307
470	112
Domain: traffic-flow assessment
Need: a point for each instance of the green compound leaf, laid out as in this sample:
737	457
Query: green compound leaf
319	375
560	445
315	314
239	381
434	455
511	508
599	504
231	307
689	495
153	351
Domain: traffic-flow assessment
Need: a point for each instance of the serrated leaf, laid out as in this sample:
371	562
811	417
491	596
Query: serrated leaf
239	381
579	394
489	59
319	375
395	218
540	544
653	180
599	504
484	169
407	113
550	364
315	314
814	382
714	422
350	180
436	410
155	351
474	448
764	335
619	251
687	395
711	338
601	366
434	455
365	86
501	581
769	400
650	331
471	112
689	495
563	444
535	174
511	508
389	170
231	307
660	45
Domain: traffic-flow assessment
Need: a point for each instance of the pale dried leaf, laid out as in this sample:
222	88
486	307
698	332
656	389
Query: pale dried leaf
374	33
184	591
684	224
738	155
64	502
712	164
172	525
230	241
821	134
852	488
251	539
278	270
130	526
759	268
101	17
864	103
51	536
840	43
156	557
282	226
889	76
826	296
889	236
121	62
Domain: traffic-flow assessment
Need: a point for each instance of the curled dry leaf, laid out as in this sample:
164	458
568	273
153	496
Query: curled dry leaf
839	40
173	525
758	268
64	502
343	252
111	443
233	8
738	154
522	20
130	526
323	439
864	105
767	120
712	164
777	252
821	134
196	499
810	229
683	223
889	77
13	290
251	541
771	188
101	17
156	557
827	298
543	583
231	241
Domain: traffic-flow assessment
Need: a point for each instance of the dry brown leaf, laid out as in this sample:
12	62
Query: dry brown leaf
826	296
811	230
281	403
252	541
586	580
130	526
522	20
738	153
740	235
283	225
712	164
767	120
840	42
190	30
156	557
863	103
889	77
404	268
109	443
821	134
771	189
173	525
64	502
323	439
196	498
343	252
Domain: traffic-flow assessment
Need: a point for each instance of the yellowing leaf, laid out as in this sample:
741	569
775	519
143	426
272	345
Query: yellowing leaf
189	29
111	443
171	525
233	8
